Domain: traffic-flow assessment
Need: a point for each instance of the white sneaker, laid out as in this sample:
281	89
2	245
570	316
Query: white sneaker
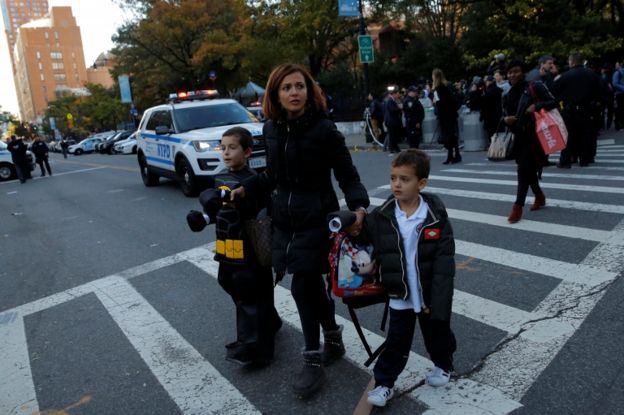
380	395
438	377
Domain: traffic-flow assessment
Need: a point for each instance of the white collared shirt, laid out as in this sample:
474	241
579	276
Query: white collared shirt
410	230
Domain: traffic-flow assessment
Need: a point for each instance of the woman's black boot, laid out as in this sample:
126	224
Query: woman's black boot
333	347
311	377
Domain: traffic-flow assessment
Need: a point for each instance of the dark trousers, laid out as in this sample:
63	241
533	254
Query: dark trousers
315	305
64	151
23	170
413	134
578	124
44	161
395	135
251	289
527	177
437	335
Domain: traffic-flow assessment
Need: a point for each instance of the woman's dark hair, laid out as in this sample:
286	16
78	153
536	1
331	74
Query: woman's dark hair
514	63
243	135
270	104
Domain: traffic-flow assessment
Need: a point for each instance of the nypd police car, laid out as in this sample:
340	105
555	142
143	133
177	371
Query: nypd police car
181	140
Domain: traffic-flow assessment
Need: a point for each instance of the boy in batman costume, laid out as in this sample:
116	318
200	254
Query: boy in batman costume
240	274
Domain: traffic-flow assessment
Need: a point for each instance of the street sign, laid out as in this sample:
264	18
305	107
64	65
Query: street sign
365	43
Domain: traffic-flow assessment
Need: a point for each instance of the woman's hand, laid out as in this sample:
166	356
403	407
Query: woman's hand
510	120
238	193
530	109
356	228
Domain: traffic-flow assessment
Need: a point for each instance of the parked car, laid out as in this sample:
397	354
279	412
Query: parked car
85	146
127	146
257	112
107	145
105	137
7	168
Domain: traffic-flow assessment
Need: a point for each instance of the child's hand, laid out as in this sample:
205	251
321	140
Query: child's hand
196	221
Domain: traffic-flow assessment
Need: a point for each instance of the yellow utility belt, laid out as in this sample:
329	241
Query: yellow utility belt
230	248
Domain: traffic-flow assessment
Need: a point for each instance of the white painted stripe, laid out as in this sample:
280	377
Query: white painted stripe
499	197
463	393
492	313
586	275
12	193
545	175
516	365
545	228
599	189
507	165
193	383
17	391
599	161
605	142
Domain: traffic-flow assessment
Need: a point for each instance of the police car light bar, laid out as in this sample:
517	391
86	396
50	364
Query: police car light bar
193	95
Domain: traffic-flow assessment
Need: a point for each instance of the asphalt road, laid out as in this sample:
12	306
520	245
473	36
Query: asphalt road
109	304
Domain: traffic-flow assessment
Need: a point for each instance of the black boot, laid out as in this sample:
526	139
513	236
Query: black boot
311	377
333	348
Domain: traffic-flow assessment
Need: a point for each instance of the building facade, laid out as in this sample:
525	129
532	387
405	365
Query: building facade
49	62
18	12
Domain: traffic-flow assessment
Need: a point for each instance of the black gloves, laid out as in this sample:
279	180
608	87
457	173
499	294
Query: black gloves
196	221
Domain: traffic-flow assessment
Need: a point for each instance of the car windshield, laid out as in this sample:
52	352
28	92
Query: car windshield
193	118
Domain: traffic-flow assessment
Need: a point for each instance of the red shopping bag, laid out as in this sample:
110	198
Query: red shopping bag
551	130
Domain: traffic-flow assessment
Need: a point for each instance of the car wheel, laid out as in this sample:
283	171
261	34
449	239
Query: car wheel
7	171
187	178
78	152
134	150
149	179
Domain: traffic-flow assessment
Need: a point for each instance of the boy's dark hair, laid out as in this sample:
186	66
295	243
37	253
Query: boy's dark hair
243	135
418	159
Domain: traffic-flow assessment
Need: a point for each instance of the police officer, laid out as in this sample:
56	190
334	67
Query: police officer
414	116
40	150
392	119
18	155
578	89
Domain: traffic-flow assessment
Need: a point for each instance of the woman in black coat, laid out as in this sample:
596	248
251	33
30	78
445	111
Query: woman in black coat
519	105
303	148
446	107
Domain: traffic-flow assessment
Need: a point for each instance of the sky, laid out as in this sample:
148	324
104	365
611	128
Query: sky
98	21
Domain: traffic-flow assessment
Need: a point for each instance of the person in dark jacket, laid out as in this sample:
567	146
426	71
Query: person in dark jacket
414	116
303	148
446	107
519	106
579	89
240	274
376	110
40	150
393	118
414	248
18	149
492	108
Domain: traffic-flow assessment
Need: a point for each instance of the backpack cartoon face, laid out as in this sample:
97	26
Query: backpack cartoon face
355	265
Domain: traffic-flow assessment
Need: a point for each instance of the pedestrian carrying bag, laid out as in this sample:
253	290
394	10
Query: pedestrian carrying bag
551	130
501	146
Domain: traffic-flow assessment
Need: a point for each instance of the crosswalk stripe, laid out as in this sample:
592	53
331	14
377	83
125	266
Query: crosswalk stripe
443	401
531	226
500	197
589	276
599	161
17	391
510	165
545	175
564	186
194	384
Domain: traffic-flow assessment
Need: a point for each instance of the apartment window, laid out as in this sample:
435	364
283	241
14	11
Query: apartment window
46	35
40	66
57	65
38	55
56	55
59	77
56	35
42	77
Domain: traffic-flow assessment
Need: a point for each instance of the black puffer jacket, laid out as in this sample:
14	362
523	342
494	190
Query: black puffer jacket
436	255
301	155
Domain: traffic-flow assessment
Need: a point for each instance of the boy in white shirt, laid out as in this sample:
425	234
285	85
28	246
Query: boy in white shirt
415	249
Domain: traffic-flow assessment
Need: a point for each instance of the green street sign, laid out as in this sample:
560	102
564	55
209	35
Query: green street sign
365	43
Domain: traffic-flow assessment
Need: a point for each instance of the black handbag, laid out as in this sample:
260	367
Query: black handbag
260	232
